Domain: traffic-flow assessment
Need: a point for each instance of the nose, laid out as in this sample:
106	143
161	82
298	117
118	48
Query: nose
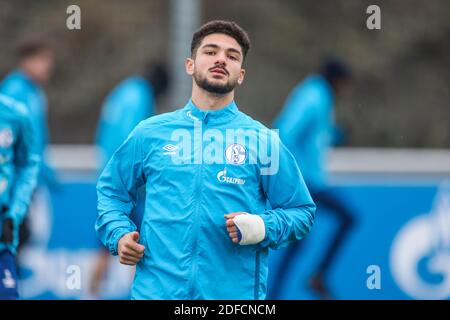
221	58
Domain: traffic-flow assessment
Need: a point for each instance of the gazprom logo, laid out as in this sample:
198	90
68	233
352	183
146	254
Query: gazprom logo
420	252
222	177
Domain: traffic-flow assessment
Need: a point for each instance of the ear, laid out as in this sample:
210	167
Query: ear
241	76
189	64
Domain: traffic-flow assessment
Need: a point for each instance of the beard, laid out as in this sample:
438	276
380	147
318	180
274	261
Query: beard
214	88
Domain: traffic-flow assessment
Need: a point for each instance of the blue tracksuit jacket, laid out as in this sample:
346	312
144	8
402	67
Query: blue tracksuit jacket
197	166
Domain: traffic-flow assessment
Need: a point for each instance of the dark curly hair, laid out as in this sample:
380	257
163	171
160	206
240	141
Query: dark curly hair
229	28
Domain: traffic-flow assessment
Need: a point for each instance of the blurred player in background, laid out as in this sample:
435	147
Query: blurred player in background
132	101
19	166
25	85
206	230
307	127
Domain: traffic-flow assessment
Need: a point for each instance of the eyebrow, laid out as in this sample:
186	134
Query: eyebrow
215	46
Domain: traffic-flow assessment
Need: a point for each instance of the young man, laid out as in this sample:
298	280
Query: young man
18	174
206	229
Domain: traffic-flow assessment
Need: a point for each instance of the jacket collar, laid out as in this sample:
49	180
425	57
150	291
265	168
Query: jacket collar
223	115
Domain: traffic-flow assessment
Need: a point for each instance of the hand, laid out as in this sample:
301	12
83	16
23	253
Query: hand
7	231
130	251
231	227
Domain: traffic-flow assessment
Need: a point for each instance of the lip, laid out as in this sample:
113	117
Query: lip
219	71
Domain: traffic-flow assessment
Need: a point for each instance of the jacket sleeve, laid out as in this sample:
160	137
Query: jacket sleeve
292	209
26	162
117	191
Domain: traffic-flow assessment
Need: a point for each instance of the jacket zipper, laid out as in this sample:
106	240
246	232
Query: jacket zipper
198	198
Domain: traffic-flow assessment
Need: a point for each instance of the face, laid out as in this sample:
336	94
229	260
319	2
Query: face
40	66
217	64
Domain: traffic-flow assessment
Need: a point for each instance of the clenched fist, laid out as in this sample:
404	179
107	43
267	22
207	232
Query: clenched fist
245	228
231	226
130	251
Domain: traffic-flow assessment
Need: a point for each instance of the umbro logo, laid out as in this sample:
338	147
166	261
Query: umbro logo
170	149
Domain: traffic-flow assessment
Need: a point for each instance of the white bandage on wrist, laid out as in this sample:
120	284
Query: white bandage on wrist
252	228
